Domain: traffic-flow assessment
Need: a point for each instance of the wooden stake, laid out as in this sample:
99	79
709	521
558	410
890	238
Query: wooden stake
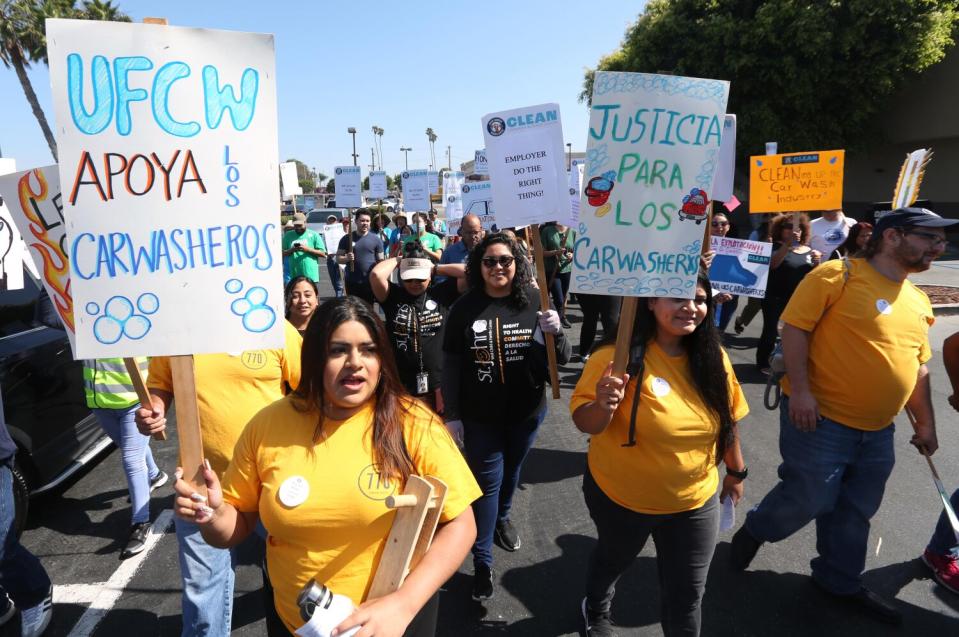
188	421
624	335
134	372
707	243
537	247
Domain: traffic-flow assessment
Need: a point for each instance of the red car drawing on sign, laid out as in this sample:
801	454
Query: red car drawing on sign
695	206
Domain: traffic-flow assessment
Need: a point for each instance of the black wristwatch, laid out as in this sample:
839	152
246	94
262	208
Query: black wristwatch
738	474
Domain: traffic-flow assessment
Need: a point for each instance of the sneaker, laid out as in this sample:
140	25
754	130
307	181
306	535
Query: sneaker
743	549
945	568
738	326
7	609
566	323
482	582
506	536
34	620
137	541
868	602
158	481
597	624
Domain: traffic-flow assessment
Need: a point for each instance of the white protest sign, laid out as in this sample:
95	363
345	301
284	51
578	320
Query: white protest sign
332	233
377	184
480	165
650	158
478	198
453	181
416	196
524	148
433	177
575	190
726	166
740	266
348	183
12	250
33	201
167	138
289	181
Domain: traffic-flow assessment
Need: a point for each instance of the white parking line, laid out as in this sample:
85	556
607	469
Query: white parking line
108	592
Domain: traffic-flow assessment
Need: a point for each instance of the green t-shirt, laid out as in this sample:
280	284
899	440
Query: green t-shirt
302	263
550	238
429	241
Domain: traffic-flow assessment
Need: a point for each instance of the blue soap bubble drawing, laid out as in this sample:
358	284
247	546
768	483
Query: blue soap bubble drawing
120	319
257	316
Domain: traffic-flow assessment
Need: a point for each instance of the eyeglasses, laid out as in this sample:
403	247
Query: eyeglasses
934	239
718	224
503	262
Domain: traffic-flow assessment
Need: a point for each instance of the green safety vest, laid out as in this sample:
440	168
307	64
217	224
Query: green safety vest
107	384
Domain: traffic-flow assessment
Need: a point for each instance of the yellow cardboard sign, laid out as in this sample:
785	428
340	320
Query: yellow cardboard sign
796	182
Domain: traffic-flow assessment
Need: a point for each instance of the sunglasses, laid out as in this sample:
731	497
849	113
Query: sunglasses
934	239
503	262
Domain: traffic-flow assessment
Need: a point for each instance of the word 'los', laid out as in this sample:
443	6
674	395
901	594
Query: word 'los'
658	126
112	95
140	169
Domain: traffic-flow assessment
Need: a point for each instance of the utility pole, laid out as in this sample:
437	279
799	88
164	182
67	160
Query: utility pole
352	131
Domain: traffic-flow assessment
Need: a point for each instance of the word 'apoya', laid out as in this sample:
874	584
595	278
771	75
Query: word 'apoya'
137	171
112	94
657	126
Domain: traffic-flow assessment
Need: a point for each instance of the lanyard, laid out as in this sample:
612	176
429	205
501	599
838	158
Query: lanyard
413	328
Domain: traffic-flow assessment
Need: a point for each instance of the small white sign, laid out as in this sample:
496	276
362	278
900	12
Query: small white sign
377	184
453	181
575	190
433	177
726	164
480	165
349	186
289	180
416	196
740	266
527	165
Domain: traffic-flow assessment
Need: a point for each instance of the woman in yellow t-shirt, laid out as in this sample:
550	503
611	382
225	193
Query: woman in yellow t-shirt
317	466
653	455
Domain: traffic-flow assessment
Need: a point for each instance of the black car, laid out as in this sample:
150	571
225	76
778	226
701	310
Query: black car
43	401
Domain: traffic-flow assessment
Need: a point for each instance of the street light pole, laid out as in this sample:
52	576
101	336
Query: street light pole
352	131
449	158
569	156
406	155
372	159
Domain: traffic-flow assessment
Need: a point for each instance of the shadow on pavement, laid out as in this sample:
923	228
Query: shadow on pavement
552	465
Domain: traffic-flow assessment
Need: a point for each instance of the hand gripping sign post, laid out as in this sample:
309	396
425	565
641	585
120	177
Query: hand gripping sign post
651	154
154	124
524	151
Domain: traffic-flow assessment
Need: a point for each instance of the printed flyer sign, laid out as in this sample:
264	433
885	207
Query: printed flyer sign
740	266
12	249
433	177
168	144
416	195
726	168
527	165
575	190
453	181
480	165
651	157
349	186
288	180
34	203
796	182
377	184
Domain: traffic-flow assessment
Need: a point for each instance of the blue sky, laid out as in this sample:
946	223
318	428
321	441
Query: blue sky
350	64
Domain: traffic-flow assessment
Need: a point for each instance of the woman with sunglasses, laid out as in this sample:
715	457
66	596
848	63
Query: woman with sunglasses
316	467
416	312
494	372
726	303
658	435
792	259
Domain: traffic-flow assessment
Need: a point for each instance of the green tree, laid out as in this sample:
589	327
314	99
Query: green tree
810	74
23	40
304	176
397	181
331	186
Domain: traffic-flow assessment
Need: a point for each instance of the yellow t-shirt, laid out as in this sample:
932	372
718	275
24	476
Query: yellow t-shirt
337	534
230	389
672	468
869	338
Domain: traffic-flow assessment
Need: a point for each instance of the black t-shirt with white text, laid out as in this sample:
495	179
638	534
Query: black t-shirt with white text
415	325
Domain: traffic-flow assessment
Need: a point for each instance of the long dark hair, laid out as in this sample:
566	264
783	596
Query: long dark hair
705	356
392	399
522	278
288	292
850	246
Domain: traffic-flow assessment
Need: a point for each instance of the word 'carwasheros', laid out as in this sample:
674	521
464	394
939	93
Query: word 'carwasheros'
611	260
117	253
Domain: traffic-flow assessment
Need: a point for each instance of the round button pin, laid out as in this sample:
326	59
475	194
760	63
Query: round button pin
660	386
294	491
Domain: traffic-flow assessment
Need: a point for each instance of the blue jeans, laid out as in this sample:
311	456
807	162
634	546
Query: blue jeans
22	576
835	475
725	311
335	279
943	540
135	454
495	454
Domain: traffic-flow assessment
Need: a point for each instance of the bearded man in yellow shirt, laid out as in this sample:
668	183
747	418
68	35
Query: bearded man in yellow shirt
855	343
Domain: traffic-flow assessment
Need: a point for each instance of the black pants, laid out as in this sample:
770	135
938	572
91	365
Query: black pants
684	548
361	290
597	307
423	624
772	309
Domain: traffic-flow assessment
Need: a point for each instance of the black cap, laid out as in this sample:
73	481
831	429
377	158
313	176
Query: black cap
904	217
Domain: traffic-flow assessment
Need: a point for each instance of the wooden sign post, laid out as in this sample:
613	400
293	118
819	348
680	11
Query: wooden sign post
536	246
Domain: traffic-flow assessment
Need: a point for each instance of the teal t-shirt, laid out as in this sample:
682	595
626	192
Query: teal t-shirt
551	237
429	241
302	263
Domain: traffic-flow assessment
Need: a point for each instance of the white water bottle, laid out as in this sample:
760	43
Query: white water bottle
323	610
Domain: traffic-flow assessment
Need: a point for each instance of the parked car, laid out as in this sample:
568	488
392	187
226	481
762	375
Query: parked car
316	218
43	401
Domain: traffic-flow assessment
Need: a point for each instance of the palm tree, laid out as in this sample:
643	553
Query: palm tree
23	40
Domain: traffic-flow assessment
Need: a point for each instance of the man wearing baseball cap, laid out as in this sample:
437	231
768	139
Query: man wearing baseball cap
304	247
855	343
